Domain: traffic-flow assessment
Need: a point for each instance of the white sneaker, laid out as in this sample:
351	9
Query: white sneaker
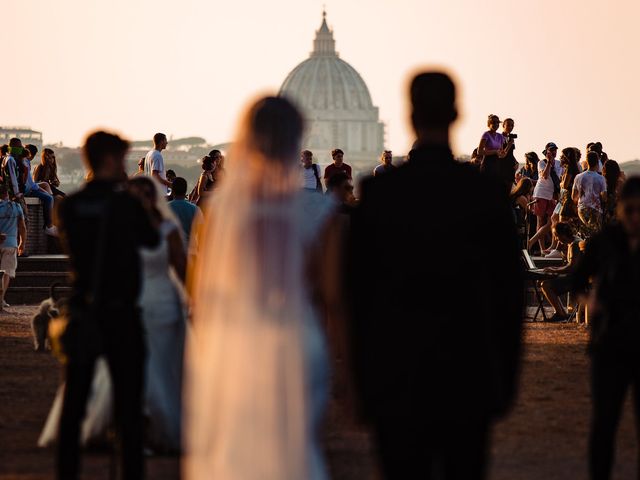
5	304
52	230
554	254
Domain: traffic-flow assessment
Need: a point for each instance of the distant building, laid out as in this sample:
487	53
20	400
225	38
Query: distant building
337	105
23	133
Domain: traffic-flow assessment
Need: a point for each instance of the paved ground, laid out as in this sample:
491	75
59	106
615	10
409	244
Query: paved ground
543	438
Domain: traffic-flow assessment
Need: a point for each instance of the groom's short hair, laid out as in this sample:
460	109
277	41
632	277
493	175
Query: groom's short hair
100	144
179	186
433	100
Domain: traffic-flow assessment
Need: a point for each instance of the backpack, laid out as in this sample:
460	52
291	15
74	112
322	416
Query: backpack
556	182
316	173
22	166
6	175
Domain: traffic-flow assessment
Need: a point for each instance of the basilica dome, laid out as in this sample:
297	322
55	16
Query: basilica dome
335	101
325	81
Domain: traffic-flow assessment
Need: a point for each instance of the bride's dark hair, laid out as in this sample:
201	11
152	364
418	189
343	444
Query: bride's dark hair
273	127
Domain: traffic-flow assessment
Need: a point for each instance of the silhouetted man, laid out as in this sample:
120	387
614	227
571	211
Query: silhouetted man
102	227
436	320
612	263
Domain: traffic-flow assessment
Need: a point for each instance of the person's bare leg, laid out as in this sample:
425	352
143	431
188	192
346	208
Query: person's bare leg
46	187
543	230
555	218
552	298
532	241
544	235
5	286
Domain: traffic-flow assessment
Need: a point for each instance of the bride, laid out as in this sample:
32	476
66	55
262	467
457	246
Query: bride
256	378
163	270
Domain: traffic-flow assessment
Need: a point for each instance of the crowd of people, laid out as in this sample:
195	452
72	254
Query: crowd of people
581	193
19	181
205	323
573	195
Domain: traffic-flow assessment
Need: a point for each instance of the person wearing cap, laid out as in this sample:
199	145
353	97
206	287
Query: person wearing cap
544	193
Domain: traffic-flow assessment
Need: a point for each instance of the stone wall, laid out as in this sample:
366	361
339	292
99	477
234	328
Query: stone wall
36	238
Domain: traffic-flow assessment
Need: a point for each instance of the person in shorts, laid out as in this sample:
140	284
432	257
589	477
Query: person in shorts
544	192
589	191
14	231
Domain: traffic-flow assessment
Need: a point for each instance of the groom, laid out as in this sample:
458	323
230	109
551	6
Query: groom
437	290
102	227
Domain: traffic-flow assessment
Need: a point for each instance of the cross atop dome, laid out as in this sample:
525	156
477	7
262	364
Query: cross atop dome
324	44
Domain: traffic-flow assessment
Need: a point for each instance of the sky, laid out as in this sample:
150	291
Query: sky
567	71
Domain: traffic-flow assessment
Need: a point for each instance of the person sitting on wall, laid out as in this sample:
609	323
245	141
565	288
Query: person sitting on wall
46	172
33	189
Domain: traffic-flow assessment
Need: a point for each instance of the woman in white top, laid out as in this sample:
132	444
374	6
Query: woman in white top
545	193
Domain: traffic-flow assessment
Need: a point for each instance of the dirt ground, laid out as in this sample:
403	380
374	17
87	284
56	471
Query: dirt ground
545	437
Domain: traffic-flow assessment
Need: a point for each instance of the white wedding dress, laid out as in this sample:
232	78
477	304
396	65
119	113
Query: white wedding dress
257	380
164	324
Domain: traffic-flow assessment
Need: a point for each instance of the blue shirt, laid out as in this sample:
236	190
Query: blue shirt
30	185
186	212
10	212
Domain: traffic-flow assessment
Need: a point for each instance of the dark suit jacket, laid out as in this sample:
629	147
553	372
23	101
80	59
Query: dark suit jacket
127	228
436	286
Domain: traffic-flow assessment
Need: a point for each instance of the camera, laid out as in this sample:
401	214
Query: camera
512	136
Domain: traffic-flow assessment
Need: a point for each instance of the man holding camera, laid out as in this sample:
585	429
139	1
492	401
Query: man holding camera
508	164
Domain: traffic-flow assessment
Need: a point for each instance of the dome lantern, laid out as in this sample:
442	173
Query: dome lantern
324	43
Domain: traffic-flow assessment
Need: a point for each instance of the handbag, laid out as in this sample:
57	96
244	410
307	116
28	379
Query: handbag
77	333
556	181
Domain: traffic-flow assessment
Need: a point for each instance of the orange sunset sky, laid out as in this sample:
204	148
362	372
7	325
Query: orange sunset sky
567	70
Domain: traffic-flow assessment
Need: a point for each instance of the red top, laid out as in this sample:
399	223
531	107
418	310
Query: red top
332	169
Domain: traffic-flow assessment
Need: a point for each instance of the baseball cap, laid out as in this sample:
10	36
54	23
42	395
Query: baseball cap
548	146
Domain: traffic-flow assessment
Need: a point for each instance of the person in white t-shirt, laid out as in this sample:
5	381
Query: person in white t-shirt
154	162
310	172
543	193
589	189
